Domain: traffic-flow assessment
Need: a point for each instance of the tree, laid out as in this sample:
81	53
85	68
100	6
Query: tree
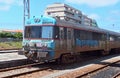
5	35
18	35
11	35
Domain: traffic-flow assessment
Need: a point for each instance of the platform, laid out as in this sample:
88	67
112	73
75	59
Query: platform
11	56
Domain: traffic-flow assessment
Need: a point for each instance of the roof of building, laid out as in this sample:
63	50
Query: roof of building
10	30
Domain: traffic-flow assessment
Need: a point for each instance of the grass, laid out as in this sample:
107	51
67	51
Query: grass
10	45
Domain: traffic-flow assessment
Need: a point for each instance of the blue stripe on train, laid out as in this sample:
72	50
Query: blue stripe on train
90	43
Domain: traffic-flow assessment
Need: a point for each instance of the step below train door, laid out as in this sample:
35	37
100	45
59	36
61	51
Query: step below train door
69	39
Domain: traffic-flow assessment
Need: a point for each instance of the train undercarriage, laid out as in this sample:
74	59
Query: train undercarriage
66	57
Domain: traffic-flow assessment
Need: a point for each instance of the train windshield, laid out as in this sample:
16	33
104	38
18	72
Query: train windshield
38	32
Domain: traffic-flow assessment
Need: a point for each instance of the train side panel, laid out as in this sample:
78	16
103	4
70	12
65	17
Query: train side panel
74	44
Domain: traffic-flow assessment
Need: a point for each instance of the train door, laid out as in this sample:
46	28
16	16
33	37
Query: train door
107	43
69	39
61	37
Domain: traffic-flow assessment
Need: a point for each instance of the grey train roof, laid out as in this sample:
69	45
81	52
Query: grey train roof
88	28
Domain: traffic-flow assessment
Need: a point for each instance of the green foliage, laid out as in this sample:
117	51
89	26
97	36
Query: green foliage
18	35
5	35
11	35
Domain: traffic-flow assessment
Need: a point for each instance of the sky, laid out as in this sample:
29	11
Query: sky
105	12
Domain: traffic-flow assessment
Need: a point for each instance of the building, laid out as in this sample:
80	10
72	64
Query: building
65	12
86	21
11	31
94	23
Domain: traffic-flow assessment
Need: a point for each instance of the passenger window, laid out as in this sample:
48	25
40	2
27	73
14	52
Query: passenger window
69	35
61	33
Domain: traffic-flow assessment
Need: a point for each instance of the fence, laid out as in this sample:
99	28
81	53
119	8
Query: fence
9	39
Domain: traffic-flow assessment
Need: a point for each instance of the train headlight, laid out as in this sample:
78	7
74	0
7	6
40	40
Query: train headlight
24	43
45	44
41	44
38	44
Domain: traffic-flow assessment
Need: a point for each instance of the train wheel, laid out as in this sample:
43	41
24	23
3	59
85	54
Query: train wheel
104	52
119	50
67	58
116	50
58	61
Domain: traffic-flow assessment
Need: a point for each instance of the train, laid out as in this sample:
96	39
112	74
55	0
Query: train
47	39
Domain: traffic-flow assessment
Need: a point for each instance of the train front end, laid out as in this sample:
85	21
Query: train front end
38	42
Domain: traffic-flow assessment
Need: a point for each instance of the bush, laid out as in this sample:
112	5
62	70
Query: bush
11	35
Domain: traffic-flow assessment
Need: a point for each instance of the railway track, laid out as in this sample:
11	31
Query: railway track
20	70
31	69
88	70
117	75
64	71
13	63
10	49
98	69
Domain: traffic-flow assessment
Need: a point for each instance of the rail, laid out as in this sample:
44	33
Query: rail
18	67
22	73
105	66
115	76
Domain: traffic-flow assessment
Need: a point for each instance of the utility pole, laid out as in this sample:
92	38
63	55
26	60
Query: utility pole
26	10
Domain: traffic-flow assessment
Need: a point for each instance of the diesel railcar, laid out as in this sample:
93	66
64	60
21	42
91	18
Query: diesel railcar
47	38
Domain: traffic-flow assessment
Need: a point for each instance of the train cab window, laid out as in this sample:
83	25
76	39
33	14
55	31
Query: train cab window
36	32
32	32
47	32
